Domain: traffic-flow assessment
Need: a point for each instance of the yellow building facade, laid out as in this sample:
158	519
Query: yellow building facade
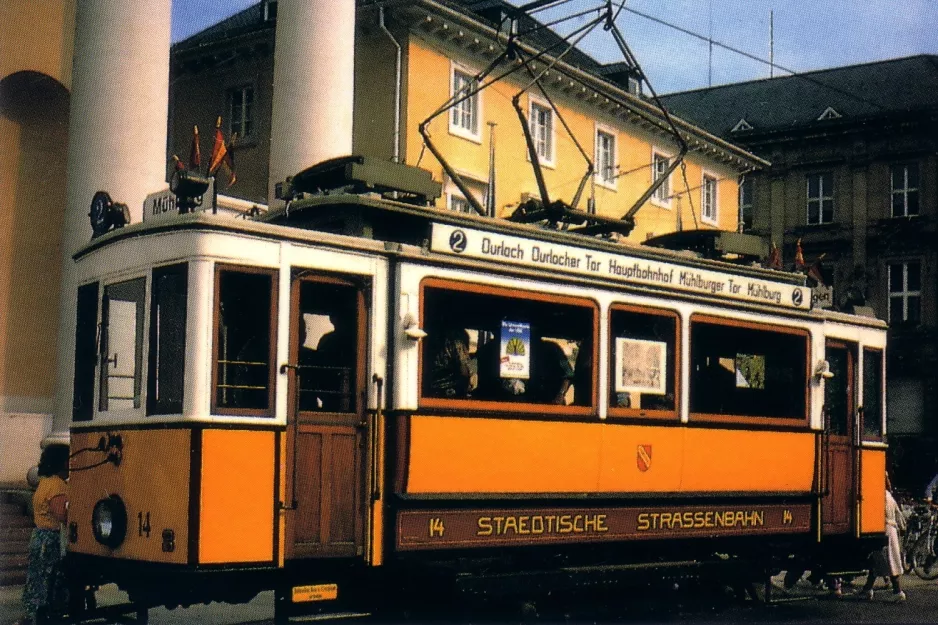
36	39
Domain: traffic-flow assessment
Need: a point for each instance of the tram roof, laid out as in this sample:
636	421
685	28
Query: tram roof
357	218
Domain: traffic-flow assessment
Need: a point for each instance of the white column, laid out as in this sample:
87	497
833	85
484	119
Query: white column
117	137
314	77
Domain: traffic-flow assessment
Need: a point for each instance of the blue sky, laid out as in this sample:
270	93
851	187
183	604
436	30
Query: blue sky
808	34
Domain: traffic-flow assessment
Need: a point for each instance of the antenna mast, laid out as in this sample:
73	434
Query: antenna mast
771	43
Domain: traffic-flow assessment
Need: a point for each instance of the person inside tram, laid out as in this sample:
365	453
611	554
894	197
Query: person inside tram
552	373
451	367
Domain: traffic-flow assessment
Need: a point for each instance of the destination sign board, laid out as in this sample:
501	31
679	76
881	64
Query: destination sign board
441	529
624	268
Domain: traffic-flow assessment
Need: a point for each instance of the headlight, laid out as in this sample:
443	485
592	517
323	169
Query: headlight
109	521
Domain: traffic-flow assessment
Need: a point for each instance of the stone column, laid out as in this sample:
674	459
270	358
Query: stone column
314	77
117	138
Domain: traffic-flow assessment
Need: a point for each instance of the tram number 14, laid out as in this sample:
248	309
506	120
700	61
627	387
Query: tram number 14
143	524
436	527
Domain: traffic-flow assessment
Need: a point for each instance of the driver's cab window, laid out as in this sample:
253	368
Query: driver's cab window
327	346
122	317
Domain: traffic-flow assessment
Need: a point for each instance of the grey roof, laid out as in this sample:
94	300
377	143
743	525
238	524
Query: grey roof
246	21
858	91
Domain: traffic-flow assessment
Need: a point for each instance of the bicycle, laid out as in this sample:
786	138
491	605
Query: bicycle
918	545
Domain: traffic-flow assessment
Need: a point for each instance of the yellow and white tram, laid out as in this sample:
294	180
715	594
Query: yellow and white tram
355	398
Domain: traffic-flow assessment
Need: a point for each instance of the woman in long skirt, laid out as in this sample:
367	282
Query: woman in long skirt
44	594
891	564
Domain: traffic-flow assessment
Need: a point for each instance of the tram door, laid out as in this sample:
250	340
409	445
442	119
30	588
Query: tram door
839	453
325	457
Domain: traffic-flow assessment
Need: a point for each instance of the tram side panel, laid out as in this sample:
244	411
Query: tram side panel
213	504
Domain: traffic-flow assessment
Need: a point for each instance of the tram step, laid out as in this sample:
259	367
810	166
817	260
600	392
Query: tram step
13	561
13	578
14	539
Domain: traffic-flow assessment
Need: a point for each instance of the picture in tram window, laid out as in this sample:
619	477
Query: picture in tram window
749	370
641	366
515	355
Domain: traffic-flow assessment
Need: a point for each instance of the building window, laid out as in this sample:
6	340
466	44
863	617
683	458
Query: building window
745	204
905	293
605	158
241	112
456	201
122	314
541	119
708	199
464	116
820	199
659	169
905	187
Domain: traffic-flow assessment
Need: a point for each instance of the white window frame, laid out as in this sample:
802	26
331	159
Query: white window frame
547	160
601	179
458	130
905	190
454	196
704	199
247	116
905	293
662	195
742	205
823	194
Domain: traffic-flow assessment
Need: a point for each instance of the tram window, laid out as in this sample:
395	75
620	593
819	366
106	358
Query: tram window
498	346
167	340
872	394
122	315
644	371
743	370
328	346
244	342
86	338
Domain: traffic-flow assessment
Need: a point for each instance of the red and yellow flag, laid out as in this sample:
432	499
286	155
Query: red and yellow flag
219	149
775	257
799	256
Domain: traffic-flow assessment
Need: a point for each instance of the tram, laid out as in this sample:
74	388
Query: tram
355	400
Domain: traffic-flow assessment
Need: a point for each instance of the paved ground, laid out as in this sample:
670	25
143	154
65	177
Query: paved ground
804	604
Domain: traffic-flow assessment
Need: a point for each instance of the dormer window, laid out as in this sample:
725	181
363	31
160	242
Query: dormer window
741	125
829	113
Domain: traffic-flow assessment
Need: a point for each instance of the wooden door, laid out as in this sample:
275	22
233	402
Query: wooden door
325	433
839	455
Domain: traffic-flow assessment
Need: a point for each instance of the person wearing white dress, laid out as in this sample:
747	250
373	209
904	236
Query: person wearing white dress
889	563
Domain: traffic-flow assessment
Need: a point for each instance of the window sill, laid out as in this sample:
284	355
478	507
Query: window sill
710	222
610	186
660	203
462	133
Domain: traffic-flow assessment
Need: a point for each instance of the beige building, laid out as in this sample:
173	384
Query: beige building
35	86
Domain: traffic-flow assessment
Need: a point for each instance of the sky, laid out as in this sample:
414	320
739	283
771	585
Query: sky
808	34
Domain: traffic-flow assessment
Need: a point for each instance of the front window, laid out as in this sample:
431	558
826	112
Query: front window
820	199
243	376
659	170
905	293
241	112
644	348
872	393
605	158
167	340
464	116
86	344
741	370
488	346
708	199
542	130
905	188
745	204
122	313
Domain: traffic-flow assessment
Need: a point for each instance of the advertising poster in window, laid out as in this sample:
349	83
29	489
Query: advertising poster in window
515	361
641	366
